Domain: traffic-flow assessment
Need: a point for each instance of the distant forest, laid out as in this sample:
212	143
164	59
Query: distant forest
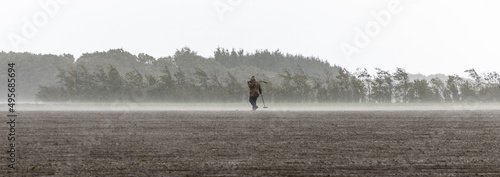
119	76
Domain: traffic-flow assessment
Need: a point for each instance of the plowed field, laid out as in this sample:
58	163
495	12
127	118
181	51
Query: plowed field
261	143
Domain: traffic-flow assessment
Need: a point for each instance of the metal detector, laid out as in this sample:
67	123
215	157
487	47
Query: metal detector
263	101
263	95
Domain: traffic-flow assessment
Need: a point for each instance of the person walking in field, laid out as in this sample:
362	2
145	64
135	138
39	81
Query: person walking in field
255	91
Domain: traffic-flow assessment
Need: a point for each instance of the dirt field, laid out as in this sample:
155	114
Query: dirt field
262	143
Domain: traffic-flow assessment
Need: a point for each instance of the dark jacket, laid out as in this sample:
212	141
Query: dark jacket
255	89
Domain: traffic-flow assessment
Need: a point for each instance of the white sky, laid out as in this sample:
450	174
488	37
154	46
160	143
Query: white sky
427	36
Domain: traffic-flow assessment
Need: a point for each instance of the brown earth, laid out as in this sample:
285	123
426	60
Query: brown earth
262	143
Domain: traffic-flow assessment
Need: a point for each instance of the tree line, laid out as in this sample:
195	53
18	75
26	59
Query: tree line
117	75
107	84
34	70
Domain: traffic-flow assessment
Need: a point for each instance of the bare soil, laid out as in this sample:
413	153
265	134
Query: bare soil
261	143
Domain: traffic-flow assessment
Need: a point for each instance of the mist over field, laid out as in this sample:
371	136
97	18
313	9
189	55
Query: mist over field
270	107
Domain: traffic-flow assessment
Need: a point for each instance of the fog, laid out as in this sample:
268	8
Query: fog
244	107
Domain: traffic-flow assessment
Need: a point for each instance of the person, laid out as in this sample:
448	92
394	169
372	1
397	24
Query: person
255	91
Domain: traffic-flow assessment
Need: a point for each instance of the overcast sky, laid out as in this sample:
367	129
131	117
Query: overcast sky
426	36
